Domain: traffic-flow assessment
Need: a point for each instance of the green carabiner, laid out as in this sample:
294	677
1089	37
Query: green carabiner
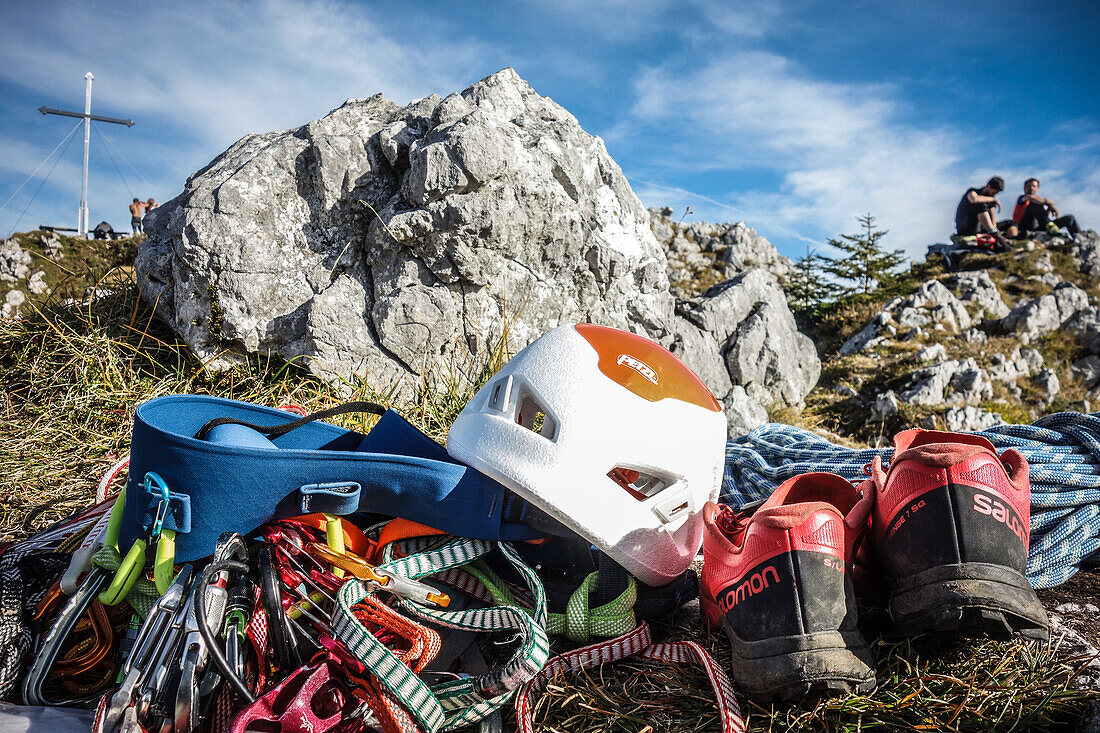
133	563
127	574
164	561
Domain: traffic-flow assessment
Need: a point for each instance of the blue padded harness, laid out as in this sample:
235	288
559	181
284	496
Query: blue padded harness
237	479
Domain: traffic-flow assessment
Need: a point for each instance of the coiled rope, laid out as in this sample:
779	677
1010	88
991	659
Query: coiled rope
1062	449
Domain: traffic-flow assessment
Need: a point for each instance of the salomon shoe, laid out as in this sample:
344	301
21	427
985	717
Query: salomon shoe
778	583
950	525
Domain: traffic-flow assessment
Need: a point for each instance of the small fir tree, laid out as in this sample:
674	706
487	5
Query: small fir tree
806	286
866	263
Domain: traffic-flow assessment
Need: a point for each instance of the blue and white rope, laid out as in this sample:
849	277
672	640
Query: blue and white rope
1063	451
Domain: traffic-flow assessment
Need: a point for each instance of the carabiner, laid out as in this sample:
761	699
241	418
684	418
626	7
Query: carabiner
134	562
392	582
51	645
128	573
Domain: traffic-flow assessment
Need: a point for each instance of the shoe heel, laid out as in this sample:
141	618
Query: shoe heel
972	599
804	666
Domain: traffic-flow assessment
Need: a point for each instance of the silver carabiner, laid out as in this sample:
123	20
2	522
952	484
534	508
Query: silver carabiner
44	660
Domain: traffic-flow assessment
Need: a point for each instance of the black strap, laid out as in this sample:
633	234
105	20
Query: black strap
274	431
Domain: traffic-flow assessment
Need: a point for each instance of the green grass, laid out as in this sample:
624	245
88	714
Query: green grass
72	375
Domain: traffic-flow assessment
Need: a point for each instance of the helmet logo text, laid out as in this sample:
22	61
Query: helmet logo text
633	362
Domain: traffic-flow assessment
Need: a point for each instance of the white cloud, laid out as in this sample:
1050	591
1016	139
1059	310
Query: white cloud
839	150
197	76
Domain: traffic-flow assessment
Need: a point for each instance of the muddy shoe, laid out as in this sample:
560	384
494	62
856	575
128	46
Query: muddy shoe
950	526
777	582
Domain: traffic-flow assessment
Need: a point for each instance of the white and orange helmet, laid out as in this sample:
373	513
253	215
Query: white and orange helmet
610	434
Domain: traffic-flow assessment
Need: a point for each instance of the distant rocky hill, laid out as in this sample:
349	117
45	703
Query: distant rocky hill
1007	338
701	255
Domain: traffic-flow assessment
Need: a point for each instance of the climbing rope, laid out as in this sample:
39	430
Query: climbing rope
1063	451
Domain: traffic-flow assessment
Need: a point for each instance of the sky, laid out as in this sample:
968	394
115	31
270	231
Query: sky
793	116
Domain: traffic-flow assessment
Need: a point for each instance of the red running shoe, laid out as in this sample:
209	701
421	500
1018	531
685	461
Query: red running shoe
778	583
950	525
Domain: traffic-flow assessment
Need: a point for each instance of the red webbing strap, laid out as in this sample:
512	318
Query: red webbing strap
637	642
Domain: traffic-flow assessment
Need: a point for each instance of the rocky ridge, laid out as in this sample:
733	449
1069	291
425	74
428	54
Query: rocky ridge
389	244
1007	338
700	254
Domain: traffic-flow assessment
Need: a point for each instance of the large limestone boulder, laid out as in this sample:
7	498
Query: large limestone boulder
383	240
389	244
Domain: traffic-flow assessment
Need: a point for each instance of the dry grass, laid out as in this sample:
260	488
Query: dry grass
72	376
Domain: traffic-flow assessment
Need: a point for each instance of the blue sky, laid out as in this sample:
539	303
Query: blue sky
793	116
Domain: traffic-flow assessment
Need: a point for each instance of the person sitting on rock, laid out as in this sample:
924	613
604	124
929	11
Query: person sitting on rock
974	213
1033	213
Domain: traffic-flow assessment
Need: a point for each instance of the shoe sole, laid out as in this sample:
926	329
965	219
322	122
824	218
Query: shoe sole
802	666
972	599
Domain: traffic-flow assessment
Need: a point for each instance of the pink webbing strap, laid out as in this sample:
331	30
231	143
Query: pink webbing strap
637	642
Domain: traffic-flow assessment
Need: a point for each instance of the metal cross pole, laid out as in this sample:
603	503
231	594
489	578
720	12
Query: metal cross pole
82	213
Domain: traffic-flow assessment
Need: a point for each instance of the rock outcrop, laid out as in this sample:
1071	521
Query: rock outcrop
702	254
391	243
931	305
1045	314
15	262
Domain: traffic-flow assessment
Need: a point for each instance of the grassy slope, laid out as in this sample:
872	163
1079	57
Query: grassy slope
72	376
872	372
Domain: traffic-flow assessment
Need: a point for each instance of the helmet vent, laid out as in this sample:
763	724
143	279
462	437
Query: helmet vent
533	416
638	484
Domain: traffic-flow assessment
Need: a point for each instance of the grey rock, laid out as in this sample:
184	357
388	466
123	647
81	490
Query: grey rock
760	342
913	318
1010	368
1085	325
974	336
1086	251
930	305
1047	382
884	407
743	413
37	283
859	341
1045	314
1047	278
51	245
771	358
846	391
979	289
392	244
1087	370
935	352
1033	358
970	419
950	381
493	207
15	262
701	253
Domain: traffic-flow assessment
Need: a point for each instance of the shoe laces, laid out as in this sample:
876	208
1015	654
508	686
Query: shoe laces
732	523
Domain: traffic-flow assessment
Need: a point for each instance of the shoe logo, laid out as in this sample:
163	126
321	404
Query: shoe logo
756	583
633	362
987	505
